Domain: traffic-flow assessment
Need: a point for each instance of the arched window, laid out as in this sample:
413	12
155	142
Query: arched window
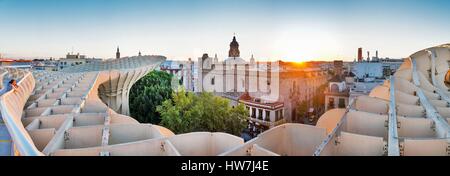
334	88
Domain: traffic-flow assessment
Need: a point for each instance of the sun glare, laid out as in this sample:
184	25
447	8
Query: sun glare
298	44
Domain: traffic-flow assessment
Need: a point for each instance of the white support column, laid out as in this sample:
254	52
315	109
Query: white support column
257	113
264	114
272	116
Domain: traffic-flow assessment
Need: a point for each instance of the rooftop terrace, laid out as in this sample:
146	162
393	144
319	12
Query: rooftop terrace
79	111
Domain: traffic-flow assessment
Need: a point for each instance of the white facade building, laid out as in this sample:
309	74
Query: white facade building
368	69
271	86
75	59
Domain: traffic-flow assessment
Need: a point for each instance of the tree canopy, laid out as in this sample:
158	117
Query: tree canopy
187	112
302	109
148	93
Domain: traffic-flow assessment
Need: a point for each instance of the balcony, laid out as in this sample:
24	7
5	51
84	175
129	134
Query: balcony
267	122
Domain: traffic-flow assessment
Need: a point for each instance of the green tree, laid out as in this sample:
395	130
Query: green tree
148	93
302	109
187	112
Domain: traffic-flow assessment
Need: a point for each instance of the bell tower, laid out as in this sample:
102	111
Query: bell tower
117	53
234	48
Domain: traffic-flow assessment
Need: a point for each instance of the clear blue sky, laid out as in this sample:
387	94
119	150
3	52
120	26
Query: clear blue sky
270	29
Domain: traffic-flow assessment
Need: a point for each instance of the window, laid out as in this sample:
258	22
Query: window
260	114
212	81
253	112
334	88
276	115
341	103
331	103
280	114
267	115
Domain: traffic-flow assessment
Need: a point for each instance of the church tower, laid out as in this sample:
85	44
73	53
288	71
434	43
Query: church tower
117	53
234	48
252	60
216	60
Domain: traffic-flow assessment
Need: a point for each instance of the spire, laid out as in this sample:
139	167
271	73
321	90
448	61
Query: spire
117	53
252	60
216	60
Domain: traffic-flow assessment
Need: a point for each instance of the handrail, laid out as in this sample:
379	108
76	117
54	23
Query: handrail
12	104
393	147
335	131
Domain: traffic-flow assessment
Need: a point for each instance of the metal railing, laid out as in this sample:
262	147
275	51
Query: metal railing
266	122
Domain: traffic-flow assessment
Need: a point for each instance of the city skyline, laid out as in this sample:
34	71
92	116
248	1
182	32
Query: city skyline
291	31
